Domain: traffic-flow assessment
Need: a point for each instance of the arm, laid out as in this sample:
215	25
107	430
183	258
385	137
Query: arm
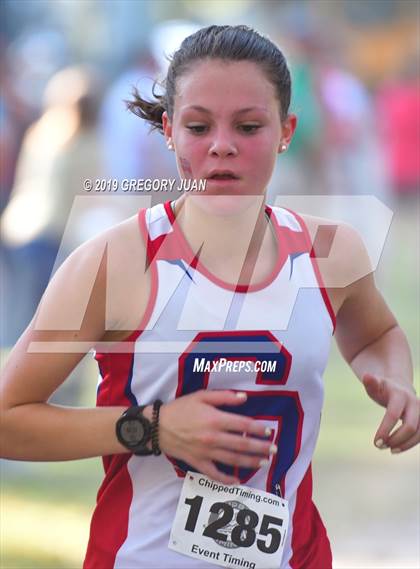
32	429
191	427
377	350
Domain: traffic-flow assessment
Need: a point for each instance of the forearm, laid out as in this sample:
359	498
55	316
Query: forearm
388	357
43	432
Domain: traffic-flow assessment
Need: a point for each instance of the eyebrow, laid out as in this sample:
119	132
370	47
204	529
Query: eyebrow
239	112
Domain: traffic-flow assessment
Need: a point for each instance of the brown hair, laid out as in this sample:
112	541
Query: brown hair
227	43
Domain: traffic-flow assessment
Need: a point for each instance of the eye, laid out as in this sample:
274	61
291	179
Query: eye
249	128
197	128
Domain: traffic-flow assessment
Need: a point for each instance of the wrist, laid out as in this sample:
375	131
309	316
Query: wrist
148	412
403	383
152	414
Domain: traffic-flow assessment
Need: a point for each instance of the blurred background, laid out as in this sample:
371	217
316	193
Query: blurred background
66	67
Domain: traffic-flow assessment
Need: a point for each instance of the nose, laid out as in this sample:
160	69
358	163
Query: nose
222	144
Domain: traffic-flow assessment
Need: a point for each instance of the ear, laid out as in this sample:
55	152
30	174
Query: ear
288	128
167	126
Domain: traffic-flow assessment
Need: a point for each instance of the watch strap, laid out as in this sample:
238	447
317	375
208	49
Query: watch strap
155	427
134	411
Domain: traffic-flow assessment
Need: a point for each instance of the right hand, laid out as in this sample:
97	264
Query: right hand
192	429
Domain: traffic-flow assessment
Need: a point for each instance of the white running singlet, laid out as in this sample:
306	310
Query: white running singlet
283	325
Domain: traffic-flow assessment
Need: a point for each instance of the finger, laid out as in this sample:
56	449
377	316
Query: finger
409	426
223	397
248	445
375	388
208	468
237	459
241	424
411	442
393	413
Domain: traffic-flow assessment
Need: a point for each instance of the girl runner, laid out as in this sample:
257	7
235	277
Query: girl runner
212	322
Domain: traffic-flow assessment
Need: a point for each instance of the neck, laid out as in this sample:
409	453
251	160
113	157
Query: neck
235	240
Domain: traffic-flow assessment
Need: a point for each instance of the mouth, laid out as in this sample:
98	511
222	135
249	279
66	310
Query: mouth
222	176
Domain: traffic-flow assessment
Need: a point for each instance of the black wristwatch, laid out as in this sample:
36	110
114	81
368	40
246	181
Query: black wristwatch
134	431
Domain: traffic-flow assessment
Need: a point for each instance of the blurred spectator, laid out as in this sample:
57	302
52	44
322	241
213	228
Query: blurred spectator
58	152
9	145
15	115
354	163
131	150
398	106
300	170
35	55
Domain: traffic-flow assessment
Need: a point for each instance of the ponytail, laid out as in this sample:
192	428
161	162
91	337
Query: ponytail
149	111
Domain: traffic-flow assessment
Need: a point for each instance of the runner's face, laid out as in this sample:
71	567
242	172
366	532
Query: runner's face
226	118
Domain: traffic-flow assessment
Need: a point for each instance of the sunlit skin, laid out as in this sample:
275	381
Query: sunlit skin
227	117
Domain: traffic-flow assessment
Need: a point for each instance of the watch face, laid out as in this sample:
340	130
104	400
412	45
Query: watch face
132	432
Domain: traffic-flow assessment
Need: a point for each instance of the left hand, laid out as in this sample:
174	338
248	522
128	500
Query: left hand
402	404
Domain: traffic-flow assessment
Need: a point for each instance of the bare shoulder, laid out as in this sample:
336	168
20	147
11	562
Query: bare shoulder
77	311
104	279
97	294
344	262
339	249
341	255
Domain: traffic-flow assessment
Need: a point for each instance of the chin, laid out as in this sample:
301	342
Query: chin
225	205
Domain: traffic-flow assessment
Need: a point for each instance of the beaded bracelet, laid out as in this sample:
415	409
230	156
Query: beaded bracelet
155	427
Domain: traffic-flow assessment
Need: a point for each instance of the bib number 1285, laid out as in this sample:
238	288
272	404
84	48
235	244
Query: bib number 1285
243	533
229	526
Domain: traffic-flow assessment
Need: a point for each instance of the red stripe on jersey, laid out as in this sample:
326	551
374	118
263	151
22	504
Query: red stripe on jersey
116	491
289	241
109	526
310	544
317	272
166	246
175	243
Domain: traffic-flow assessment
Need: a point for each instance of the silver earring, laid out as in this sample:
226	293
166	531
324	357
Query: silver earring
169	144
283	147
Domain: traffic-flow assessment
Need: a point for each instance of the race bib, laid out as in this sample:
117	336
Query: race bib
230	526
